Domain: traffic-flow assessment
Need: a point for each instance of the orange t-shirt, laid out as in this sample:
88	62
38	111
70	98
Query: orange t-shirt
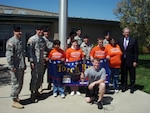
98	52
74	54
115	54
56	54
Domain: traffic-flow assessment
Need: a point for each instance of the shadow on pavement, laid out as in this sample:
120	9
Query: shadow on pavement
107	100
43	96
4	77
139	87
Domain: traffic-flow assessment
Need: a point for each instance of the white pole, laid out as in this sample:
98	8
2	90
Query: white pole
63	14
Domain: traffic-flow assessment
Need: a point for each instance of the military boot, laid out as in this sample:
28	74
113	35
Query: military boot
17	105
33	97
16	99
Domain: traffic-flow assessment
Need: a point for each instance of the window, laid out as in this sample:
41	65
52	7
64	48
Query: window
22	12
7	11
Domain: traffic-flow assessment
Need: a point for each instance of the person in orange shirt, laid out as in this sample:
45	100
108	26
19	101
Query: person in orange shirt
74	53
57	54
113	54
98	51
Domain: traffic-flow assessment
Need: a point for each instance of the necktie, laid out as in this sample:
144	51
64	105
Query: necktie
125	43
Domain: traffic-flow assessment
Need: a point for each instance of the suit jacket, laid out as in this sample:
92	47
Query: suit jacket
130	54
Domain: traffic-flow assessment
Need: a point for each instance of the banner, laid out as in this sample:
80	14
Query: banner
86	64
72	76
69	73
104	64
56	72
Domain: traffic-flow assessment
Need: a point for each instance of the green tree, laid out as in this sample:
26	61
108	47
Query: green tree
135	14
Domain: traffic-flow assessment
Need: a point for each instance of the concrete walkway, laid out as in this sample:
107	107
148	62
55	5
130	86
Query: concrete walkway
139	102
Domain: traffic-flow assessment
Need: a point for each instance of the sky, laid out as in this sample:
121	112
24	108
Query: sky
93	9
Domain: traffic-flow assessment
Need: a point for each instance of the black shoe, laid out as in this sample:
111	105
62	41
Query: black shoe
33	98
131	90
123	89
99	104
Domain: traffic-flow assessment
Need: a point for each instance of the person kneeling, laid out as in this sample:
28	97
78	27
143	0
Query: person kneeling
96	78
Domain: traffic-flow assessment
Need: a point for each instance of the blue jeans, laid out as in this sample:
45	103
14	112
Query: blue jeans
58	89
115	72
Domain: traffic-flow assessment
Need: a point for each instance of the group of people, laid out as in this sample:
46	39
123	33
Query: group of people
120	55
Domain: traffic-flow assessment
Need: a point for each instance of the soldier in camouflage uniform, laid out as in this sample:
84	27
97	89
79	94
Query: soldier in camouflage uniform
49	45
86	47
16	60
36	48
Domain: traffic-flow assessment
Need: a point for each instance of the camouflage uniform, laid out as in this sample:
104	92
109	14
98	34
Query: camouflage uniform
49	43
49	46
16	60
36	48
86	48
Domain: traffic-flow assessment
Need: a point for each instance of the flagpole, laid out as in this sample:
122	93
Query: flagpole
63	14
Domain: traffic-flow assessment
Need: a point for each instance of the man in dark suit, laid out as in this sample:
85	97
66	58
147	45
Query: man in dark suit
129	48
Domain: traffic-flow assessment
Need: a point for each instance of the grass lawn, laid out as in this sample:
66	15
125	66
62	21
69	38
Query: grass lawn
143	73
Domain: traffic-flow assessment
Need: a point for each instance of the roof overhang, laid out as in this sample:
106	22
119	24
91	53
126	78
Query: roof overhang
93	21
7	18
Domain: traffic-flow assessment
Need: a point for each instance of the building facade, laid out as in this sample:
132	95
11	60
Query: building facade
29	19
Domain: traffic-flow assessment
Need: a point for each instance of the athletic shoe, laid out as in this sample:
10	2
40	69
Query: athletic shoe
55	94
116	91
78	93
62	95
72	93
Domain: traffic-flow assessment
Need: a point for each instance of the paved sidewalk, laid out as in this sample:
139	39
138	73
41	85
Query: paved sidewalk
139	102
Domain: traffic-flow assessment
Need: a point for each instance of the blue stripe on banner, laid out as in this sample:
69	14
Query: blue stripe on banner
104	64
56	72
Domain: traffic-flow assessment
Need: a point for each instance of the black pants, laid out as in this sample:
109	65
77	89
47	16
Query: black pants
125	70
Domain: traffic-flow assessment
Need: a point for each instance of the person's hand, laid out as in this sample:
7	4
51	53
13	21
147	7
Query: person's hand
82	77
91	59
13	70
91	85
62	59
134	64
108	57
32	65
46	58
